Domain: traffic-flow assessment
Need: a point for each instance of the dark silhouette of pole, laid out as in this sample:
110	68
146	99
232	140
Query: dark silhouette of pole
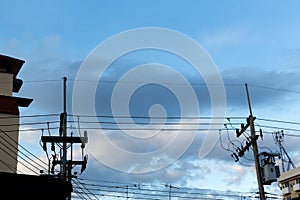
255	150
64	130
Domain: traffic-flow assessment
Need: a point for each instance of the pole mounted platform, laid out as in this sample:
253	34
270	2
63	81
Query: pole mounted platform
58	139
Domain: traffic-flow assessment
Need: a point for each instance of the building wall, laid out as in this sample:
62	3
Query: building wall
289	184
6	84
9	136
9	112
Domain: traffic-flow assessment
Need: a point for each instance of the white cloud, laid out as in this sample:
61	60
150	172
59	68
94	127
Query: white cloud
236	173
28	164
225	37
132	154
238	169
28	136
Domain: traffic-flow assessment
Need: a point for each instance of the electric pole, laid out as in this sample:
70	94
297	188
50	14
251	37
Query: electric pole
64	130
64	142
170	190
255	150
279	138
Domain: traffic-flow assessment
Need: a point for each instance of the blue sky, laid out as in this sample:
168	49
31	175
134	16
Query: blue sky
253	42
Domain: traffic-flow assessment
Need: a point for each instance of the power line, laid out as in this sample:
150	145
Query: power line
20	151
146	123
155	117
83	188
279	121
167	83
116	123
272	88
161	129
17	143
8	165
138	191
10	155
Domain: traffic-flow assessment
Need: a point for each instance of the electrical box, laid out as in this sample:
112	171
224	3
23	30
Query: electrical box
270	173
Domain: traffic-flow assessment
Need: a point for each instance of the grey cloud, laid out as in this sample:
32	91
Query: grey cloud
265	86
48	99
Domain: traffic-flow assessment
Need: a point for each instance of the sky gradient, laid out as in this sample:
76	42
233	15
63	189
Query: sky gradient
253	42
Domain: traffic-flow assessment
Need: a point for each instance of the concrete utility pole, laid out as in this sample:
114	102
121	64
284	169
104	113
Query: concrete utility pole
279	137
255	150
64	131
64	140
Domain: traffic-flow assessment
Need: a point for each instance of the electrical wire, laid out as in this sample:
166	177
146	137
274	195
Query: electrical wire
82	188
153	117
170	123
135	191
14	148
277	89
28	116
17	143
13	157
8	165
167	123
170	83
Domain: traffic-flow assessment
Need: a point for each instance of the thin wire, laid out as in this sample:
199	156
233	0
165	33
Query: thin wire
142	82
137	187
154	117
171	83
278	89
83	188
29	123
278	121
221	143
8	165
118	123
122	129
22	147
75	191
280	128
17	150
28	116
21	153
14	158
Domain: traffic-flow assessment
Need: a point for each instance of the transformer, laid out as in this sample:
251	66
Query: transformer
269	170
270	173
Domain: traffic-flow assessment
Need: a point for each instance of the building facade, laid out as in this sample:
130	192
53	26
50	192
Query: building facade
9	112
289	183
